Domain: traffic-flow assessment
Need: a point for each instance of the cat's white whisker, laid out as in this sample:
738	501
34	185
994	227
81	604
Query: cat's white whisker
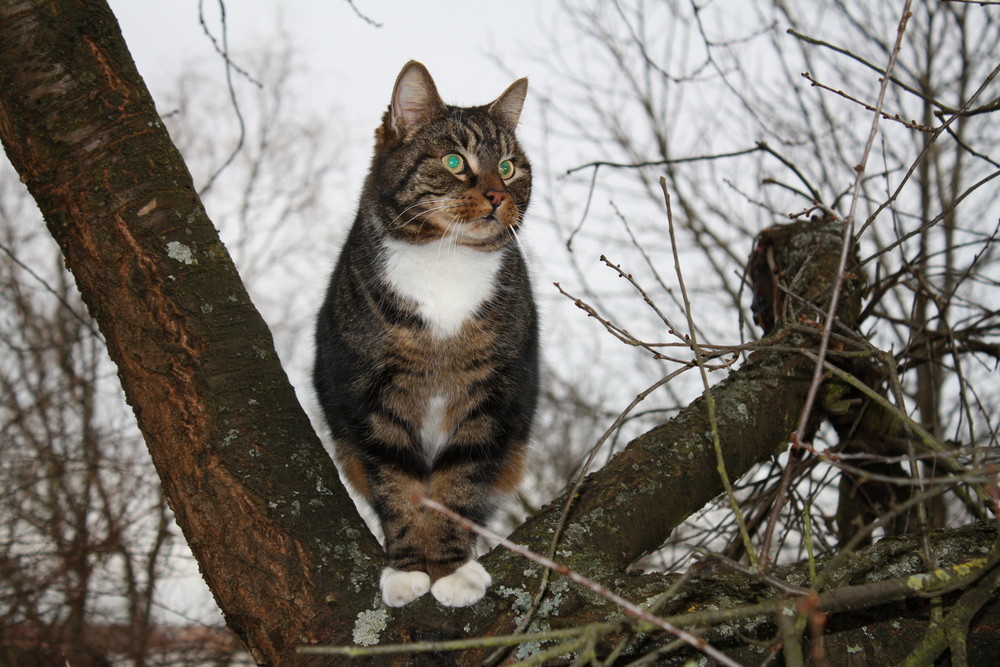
430	210
420	202
517	239
452	238
416	204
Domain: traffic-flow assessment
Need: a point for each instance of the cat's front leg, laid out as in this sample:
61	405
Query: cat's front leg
403	524
458	579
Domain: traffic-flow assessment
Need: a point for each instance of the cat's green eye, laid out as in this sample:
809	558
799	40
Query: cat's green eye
454	163
506	168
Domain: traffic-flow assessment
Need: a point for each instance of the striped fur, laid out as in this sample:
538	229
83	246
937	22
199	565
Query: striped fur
427	344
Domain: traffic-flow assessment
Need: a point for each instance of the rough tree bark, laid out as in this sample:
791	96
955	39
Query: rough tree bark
278	540
196	360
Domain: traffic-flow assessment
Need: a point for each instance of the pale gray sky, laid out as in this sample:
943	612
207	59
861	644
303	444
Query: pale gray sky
348	62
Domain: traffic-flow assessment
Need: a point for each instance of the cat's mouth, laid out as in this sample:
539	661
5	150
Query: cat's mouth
488	230
489	225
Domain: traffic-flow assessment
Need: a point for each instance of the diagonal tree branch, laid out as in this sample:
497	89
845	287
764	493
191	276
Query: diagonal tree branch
630	506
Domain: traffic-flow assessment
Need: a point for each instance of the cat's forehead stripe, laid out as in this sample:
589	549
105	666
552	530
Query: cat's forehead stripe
473	136
482	133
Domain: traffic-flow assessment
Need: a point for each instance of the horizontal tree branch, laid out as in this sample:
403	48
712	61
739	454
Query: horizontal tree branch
733	611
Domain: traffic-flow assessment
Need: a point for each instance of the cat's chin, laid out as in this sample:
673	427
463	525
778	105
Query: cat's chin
484	233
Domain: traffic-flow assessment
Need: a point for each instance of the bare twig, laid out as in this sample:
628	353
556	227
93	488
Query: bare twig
848	236
628	607
626	337
223	51
709	399
912	124
662	163
875	68
927	147
370	21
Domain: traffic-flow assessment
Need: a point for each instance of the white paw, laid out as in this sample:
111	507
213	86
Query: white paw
463	587
400	587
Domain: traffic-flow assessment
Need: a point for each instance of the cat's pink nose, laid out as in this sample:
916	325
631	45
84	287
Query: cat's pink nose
496	197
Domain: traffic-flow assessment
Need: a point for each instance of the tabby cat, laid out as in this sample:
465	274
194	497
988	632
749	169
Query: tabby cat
427	342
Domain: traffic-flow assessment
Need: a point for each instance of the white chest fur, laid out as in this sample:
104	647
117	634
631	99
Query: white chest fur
447	281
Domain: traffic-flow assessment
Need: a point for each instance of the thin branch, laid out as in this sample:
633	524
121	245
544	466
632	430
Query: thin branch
230	66
912	124
875	68
370	21
709	398
586	209
626	337
927	147
845	251
628	607
457	644
87	323
848	236
660	163
813	192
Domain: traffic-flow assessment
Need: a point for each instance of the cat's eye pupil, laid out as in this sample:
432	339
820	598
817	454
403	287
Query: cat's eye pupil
506	169
453	163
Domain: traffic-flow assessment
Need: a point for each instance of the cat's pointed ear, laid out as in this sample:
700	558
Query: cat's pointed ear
509	104
415	99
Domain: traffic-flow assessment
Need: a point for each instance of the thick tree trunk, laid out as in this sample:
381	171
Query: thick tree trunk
277	539
256	495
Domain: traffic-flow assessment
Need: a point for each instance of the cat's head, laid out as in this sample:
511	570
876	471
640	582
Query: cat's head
445	171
